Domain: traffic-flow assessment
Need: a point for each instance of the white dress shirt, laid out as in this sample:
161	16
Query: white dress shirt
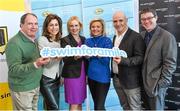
117	42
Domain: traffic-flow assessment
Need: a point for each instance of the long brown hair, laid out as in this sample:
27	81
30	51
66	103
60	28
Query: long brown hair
45	25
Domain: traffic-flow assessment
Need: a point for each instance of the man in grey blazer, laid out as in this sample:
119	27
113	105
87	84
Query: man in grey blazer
159	61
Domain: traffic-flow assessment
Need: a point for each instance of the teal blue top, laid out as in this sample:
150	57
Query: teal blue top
99	67
21	52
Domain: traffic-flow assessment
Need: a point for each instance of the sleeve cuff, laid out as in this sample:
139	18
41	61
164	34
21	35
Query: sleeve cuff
35	65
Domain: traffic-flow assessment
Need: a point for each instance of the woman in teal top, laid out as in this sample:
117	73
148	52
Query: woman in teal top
98	69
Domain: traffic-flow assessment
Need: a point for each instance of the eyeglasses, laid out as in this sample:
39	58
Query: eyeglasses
148	18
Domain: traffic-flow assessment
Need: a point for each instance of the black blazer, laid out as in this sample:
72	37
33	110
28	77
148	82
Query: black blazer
130	67
72	67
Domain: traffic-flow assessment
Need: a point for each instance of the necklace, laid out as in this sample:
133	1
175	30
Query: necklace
96	41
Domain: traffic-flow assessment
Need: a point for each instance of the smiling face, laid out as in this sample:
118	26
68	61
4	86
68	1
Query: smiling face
53	27
120	22
74	27
30	26
96	29
148	21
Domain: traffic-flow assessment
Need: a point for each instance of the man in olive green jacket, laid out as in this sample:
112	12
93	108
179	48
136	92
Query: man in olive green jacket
25	65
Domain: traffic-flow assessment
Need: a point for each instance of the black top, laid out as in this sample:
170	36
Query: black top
72	67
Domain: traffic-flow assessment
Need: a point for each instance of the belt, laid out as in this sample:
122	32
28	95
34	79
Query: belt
114	74
117	75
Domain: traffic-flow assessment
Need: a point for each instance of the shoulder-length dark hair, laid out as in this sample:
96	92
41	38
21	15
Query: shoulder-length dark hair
45	25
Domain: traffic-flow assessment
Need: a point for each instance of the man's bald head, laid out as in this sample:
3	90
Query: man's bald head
119	14
120	22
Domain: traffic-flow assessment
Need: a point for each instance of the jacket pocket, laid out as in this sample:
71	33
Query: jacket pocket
156	73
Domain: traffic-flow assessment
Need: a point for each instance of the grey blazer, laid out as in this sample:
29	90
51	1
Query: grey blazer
159	61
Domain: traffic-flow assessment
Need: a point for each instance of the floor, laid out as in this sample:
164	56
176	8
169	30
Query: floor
112	102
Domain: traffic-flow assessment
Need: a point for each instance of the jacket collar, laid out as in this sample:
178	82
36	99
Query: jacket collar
126	36
155	37
73	42
24	37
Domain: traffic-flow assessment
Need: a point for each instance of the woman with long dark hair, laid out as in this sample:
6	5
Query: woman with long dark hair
50	81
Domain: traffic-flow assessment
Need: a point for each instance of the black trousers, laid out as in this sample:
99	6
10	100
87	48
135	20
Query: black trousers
49	89
99	92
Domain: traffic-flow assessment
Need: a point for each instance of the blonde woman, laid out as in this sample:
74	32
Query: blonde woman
74	67
98	69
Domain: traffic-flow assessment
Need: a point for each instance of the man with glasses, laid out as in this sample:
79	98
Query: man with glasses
159	61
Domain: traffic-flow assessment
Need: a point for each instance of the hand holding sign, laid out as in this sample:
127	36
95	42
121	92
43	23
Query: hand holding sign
117	59
82	51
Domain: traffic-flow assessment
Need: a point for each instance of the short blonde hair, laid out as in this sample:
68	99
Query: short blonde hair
102	23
